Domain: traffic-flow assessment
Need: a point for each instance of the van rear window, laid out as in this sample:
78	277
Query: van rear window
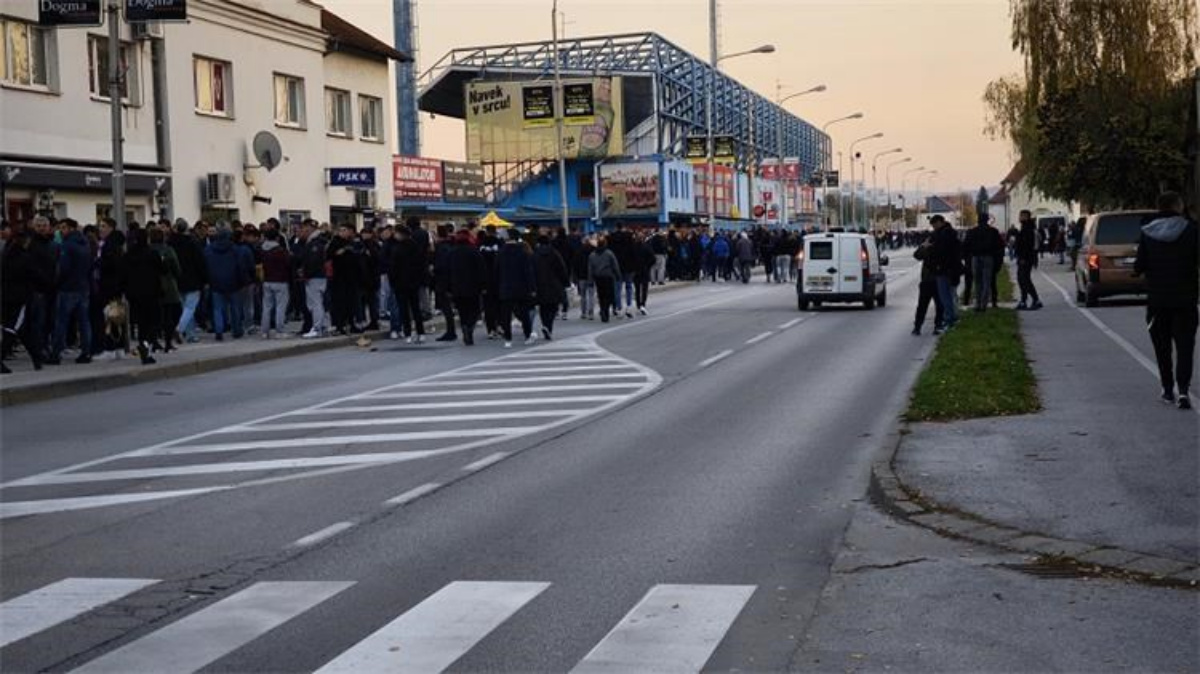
820	250
1124	229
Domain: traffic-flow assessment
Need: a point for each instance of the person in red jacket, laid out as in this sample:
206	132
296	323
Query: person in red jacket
277	269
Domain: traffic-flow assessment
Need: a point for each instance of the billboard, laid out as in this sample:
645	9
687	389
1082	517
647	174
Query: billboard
74	13
724	150
696	150
770	168
514	121
629	189
416	179
463	183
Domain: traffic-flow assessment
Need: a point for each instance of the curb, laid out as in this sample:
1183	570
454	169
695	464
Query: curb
41	392
911	505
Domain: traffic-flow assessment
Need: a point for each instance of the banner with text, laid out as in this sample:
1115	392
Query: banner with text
416	179
514	121
629	189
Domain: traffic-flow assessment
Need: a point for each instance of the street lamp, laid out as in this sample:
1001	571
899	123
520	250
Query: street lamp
828	159
853	200
779	101
887	174
710	93
565	218
875	180
903	180
920	177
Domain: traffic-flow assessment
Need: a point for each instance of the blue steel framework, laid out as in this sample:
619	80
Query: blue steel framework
404	15
680	80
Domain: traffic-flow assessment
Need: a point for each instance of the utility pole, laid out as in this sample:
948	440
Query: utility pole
710	87
558	121
115	75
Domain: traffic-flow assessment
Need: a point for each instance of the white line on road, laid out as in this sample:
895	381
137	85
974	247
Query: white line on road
59	602
485	462
517	380
391	421
674	628
488	371
709	361
413	494
791	324
213	632
22	508
438	631
294	443
1120	341
496	391
759	338
516	402
318	536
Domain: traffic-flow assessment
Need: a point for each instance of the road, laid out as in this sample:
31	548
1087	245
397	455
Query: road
671	489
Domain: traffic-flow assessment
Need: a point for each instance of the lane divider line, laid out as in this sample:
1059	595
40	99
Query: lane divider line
709	361
318	536
791	324
759	338
485	462
413	494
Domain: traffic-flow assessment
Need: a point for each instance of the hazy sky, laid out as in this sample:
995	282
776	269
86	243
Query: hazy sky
915	68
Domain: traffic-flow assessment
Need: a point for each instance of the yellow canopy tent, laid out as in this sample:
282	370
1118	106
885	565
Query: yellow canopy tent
493	220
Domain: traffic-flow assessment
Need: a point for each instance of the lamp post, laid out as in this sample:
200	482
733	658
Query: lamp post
826	168
920	177
853	209
558	123
779	101
903	180
887	174
875	180
710	92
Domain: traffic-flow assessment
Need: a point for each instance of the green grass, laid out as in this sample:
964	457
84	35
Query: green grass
978	370
1004	286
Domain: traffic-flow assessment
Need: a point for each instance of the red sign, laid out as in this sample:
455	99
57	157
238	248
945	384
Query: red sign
417	179
791	169
770	171
759	211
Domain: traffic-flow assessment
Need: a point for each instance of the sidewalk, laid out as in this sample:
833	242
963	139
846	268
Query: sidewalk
1105	474
25	385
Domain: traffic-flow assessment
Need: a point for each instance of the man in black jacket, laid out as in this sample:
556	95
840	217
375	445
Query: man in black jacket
947	267
466	283
980	249
1027	260
443	300
193	276
1168	255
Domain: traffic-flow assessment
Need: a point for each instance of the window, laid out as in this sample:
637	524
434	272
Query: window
214	86
337	113
28	55
289	101
371	109
98	68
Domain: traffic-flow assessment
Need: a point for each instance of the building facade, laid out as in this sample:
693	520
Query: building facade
252	109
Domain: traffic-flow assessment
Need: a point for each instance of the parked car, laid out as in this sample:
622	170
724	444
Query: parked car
1108	252
841	267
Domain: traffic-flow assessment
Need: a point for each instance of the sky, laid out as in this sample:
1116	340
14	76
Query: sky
916	69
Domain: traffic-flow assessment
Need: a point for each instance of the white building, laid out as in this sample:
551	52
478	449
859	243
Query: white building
1016	195
199	93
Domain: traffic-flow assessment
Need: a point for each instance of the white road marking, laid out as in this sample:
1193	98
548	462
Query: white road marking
674	628
341	440
318	536
516	402
1147	364
759	338
491	391
488	371
394	421
791	324
413	494
215	631
709	361
518	380
435	633
485	462
59	602
573	360
43	506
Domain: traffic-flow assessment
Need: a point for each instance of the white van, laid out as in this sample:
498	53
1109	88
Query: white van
841	267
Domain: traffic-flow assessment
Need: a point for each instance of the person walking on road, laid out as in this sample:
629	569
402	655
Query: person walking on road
552	281
408	274
947	267
927	291
583	284
442	298
1027	261
1167	256
517	285
466	283
645	261
603	271
744	251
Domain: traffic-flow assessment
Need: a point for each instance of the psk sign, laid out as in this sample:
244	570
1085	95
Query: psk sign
352	177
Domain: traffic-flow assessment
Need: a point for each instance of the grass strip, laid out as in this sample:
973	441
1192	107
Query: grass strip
1005	288
978	370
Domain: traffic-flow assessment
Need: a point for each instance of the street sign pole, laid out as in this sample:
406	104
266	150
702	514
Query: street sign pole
115	76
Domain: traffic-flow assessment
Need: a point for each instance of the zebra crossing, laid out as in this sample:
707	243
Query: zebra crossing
466	408
672	628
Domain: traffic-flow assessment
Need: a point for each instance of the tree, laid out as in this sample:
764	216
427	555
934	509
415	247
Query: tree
1100	113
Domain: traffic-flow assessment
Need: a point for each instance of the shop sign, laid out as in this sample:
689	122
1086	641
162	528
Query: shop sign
724	151
416	179
360	177
463	183
696	150
137	11
69	13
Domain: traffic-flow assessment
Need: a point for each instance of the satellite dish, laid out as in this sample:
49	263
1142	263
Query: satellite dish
267	150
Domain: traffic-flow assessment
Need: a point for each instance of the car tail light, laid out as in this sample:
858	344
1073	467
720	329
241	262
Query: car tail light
1093	261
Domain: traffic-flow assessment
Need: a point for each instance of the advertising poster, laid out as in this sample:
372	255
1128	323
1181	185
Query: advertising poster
463	183
537	105
629	189
724	150
497	130
416	179
579	104
696	150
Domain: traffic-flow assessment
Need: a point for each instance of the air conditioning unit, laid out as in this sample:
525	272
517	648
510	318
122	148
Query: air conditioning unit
218	188
365	199
146	30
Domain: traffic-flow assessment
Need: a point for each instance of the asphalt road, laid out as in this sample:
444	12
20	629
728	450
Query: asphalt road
668	490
